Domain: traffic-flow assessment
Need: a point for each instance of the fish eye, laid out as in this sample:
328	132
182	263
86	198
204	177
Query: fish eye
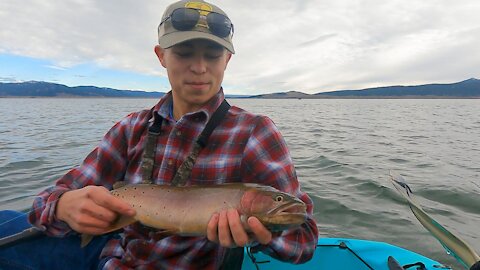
279	198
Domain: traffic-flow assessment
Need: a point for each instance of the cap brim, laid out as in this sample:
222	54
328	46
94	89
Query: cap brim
177	37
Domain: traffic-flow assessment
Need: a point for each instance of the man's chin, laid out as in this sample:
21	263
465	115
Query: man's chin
199	100
200	96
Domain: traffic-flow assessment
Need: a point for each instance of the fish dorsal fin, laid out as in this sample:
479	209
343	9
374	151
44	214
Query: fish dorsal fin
261	187
119	184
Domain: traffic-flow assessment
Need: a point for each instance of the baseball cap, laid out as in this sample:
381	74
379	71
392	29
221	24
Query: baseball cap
186	20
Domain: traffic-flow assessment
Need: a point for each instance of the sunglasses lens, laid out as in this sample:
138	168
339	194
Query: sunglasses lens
184	19
219	25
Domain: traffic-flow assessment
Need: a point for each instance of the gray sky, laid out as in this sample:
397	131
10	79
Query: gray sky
309	46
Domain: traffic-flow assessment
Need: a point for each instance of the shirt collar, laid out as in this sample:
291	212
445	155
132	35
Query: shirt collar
163	106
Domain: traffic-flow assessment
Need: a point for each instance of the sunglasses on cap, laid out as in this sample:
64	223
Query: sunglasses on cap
184	19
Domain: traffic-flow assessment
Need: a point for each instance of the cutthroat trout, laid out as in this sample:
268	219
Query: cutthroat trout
187	210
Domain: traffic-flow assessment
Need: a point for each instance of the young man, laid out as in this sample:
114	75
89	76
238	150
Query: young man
195	46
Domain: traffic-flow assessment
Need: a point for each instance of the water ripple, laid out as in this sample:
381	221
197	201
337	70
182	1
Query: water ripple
342	149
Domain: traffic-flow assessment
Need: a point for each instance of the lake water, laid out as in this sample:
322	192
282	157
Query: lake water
342	149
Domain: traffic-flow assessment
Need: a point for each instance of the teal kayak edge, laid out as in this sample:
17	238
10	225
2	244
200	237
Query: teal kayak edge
345	253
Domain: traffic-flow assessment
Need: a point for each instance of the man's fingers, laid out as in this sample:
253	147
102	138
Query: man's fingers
103	198
101	213
224	235
212	228
236	228
89	224
263	235
227	229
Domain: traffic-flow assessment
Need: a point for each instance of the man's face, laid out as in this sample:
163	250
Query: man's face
195	70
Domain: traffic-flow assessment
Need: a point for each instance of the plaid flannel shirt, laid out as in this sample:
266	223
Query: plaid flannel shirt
243	148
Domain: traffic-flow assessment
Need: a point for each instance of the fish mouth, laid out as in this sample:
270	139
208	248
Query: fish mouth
286	216
291	208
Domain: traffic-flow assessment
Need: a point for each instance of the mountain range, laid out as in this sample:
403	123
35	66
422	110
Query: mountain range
465	89
47	89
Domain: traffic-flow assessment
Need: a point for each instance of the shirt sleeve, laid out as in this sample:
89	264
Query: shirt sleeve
267	160
105	165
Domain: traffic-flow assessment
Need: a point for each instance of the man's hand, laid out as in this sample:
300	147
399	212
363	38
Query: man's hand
227	229
91	209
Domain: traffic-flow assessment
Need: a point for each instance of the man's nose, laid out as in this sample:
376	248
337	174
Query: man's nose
199	64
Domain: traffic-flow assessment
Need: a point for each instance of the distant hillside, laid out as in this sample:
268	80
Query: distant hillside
465	89
46	89
290	94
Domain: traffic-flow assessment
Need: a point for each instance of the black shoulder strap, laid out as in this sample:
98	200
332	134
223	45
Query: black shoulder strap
183	173
233	259
216	118
148	158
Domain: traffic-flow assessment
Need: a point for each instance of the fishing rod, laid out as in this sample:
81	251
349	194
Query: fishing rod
454	245
27	234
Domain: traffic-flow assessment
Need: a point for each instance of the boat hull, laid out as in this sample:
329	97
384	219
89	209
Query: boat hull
343	253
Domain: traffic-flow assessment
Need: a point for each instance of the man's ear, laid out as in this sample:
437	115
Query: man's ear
229	55
160	52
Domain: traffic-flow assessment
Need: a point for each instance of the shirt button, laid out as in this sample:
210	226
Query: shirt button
179	133
170	162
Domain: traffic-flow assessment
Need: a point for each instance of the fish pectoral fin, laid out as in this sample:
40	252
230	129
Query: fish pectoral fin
168	232
121	222
85	239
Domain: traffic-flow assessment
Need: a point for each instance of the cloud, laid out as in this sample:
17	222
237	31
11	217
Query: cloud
9	79
56	67
317	40
308	46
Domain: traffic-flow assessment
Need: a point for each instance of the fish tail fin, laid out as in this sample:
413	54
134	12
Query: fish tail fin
85	240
